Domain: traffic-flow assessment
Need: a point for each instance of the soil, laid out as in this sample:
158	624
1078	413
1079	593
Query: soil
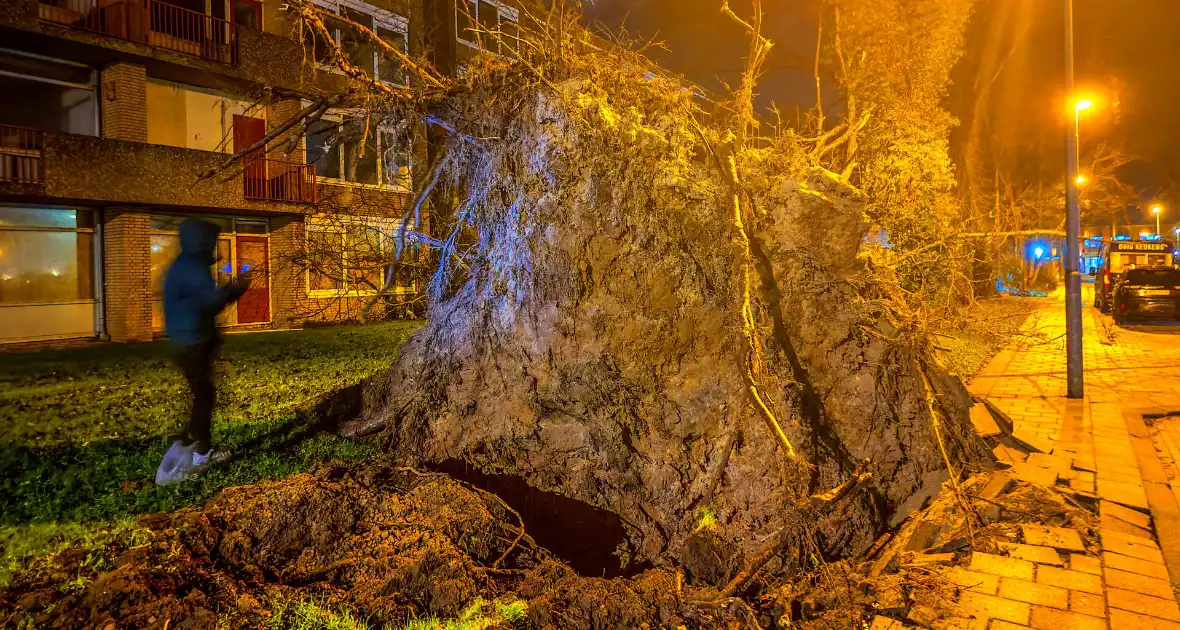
388	544
393	544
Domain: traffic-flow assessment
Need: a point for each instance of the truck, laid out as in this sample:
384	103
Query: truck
1120	256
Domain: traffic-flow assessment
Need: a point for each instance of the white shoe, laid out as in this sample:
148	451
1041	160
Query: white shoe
204	459
177	462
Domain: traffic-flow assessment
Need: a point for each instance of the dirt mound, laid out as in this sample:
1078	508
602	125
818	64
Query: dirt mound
387	545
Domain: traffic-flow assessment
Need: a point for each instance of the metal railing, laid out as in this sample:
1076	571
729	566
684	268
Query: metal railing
152	22
20	155
278	180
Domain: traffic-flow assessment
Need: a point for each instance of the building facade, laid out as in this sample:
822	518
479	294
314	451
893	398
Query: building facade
119	120
113	112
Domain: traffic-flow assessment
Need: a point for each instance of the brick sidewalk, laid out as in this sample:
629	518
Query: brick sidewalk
1101	449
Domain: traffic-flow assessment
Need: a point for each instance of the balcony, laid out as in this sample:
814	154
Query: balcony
278	180
20	155
152	22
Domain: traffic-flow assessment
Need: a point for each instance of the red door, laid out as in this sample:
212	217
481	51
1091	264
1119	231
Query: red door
248	131
254	305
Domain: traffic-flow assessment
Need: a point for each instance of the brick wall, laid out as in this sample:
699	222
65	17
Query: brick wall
124	102
127	273
277	114
287	284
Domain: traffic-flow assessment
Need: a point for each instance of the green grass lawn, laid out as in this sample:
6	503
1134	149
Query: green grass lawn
984	331
82	430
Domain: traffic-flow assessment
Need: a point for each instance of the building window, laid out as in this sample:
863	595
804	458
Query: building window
475	19
248	13
241	246
46	255
346	149
47	94
349	255
390	28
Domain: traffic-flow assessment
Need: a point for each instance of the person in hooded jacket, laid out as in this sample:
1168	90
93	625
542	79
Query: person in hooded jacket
192	301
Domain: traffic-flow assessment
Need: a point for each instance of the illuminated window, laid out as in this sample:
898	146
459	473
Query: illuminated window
349	255
343	149
357	47
483	24
325	264
46	255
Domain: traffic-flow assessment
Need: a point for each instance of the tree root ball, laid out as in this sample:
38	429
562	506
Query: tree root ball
592	341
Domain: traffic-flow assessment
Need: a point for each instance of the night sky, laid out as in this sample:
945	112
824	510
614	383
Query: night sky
1128	55
708	48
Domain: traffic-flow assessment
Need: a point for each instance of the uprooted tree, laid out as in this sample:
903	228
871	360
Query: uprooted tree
658	319
638	310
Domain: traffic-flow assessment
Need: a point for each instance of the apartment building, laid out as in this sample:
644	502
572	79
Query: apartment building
113	109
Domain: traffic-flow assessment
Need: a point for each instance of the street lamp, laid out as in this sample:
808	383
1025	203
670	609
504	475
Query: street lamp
1075	383
1082	180
1156	211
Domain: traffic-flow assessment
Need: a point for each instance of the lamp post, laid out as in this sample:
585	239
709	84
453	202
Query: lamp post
1073	220
1156	211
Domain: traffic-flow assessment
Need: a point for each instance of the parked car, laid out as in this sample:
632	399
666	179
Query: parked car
1147	292
1119	256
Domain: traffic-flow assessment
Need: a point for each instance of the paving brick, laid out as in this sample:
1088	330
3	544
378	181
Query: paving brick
1035	474
1112	524
1124	493
1135	550
1033	553
1138	583
1072	580
1004	625
1056	462
1165	509
989	607
1087	603
1126	620
1002	566
885	623
997	484
1131	538
961	623
1085	564
1052	619
1135	565
1057	537
984	583
1133	517
1033	593
1142	604
985	424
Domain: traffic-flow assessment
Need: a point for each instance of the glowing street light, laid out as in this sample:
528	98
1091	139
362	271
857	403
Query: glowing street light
1082	180
1038	252
1156	211
1083	105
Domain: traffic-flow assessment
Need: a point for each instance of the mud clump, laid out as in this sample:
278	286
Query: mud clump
388	545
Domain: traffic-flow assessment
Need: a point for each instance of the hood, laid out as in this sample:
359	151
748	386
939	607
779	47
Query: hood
198	239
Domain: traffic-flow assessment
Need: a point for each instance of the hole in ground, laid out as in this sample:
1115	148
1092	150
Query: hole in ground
581	535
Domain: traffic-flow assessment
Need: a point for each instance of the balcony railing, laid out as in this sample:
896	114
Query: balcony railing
152	22
278	180
20	155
